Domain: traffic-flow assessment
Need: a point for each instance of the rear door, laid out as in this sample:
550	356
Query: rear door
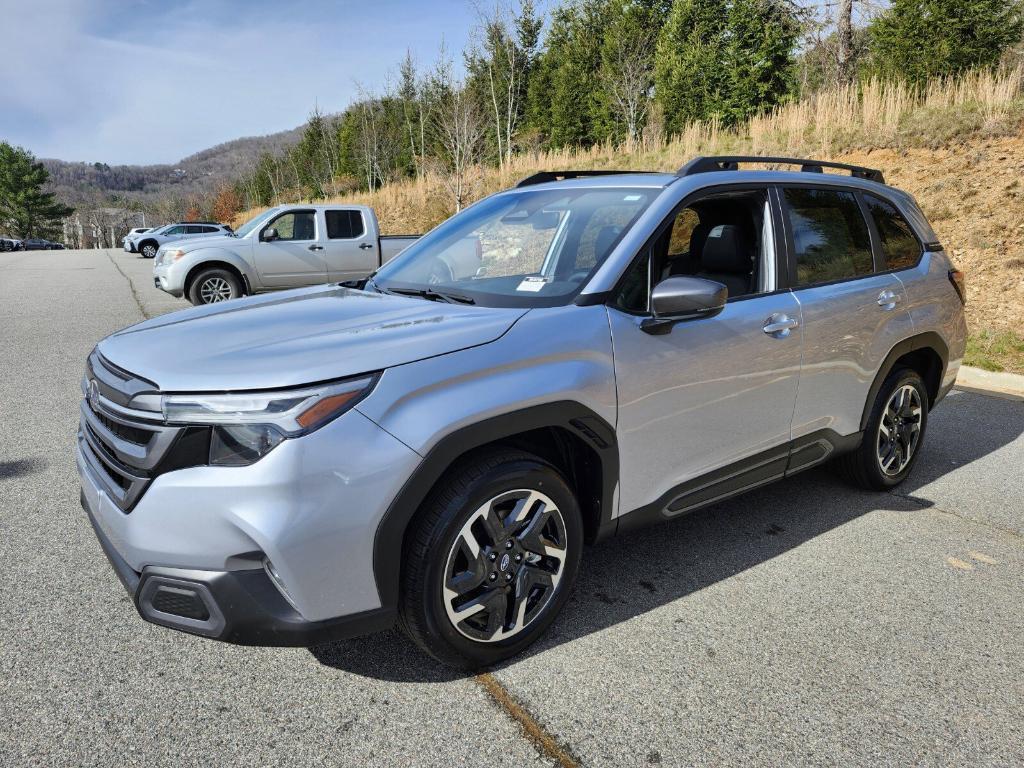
853	312
295	256
350	250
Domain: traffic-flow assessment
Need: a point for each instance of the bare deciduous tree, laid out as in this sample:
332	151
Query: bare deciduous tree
628	75
459	127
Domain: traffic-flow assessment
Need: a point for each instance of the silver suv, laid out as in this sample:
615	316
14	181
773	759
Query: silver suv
149	241
558	363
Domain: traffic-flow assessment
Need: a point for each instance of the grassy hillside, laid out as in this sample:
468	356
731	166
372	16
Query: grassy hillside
958	148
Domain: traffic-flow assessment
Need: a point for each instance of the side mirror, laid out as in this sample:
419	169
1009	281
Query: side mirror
683	298
268	235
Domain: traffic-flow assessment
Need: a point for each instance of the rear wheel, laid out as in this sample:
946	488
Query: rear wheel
893	435
490	559
148	249
213	286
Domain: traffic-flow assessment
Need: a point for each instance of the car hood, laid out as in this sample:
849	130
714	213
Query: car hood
297	337
195	243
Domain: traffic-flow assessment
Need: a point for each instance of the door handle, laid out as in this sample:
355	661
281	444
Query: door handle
779	325
365	246
888	299
315	247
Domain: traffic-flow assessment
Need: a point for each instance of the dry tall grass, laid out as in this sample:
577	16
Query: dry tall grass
875	114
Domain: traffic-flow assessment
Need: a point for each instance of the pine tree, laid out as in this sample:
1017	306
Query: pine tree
689	65
758	57
920	39
25	209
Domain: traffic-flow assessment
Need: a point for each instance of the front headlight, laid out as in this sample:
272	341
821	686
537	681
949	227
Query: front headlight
247	426
166	257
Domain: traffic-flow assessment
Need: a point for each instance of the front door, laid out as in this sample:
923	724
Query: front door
293	257
706	409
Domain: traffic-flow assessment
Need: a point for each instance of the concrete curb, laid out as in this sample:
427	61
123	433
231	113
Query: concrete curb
1007	385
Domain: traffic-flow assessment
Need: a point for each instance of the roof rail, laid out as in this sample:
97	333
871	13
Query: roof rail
731	163
545	176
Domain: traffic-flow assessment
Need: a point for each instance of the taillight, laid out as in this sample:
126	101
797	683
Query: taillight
956	277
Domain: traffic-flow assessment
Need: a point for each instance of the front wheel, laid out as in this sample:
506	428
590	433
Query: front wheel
148	250
213	286
491	559
893	436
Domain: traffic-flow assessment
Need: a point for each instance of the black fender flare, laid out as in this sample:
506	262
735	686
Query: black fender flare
926	340
570	415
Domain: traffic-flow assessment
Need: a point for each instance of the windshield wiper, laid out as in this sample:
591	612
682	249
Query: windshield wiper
428	293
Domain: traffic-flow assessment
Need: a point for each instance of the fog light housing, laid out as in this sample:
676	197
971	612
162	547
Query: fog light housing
275	577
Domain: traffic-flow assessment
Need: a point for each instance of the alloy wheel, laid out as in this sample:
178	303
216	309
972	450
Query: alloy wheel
149	251
214	289
899	430
505	565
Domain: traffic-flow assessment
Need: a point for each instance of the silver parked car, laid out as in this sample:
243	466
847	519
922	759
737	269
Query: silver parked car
435	449
148	243
284	247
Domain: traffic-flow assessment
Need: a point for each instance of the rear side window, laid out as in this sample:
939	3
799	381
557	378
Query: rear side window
899	243
344	225
830	235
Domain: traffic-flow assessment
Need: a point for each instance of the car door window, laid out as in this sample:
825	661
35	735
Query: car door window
830	236
175	231
900	245
295	226
726	237
344	225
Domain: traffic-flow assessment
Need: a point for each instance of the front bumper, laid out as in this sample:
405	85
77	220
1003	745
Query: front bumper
242	607
165	278
198	538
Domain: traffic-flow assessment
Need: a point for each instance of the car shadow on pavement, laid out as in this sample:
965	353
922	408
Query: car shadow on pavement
19	467
628	576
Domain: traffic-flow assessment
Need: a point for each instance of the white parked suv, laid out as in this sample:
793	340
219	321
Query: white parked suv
148	243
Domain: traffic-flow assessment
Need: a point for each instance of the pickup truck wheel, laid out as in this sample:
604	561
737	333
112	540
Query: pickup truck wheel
214	285
148	250
490	559
892	438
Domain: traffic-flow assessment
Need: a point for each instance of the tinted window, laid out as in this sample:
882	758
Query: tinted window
208	230
175	231
193	230
829	234
899	243
344	225
295	225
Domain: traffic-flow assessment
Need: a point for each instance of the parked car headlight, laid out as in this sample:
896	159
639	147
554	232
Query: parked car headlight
172	255
247	426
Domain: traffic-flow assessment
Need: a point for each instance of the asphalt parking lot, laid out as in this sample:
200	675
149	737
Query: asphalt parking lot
805	623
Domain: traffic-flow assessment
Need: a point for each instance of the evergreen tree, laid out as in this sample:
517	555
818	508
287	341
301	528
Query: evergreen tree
759	60
919	39
25	209
689	65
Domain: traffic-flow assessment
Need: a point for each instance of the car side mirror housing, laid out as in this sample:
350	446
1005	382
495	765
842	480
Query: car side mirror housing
269	234
676	299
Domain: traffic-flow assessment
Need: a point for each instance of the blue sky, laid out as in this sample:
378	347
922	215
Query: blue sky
151	81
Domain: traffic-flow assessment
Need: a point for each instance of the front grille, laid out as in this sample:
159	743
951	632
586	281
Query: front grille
124	431
121	434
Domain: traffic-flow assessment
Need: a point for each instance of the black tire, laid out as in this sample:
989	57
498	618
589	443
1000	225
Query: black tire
148	248
214	285
431	550
864	466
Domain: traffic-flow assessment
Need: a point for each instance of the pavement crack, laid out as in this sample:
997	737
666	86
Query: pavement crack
547	744
930	506
131	286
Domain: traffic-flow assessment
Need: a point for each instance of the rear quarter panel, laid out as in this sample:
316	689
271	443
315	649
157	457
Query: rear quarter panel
934	306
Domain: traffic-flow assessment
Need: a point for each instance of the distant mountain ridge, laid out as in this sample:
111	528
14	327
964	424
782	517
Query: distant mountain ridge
88	184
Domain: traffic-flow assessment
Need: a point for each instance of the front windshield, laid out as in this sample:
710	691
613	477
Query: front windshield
519	249
252	223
